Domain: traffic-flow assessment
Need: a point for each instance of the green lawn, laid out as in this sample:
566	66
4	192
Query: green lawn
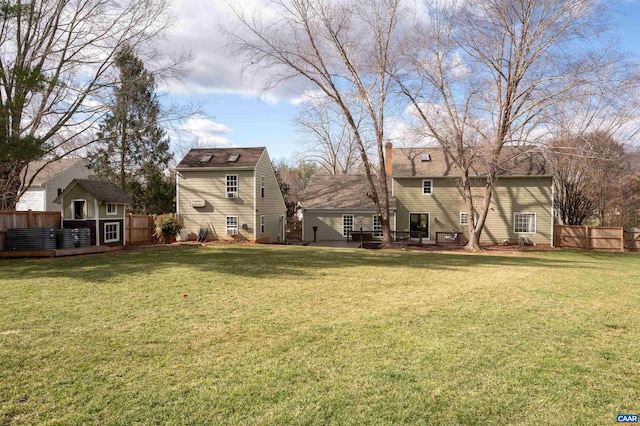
279	335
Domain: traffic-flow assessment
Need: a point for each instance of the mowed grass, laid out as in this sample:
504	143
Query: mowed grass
299	335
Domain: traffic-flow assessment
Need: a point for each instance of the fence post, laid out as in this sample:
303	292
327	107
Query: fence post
29	218
129	229
621	239
587	237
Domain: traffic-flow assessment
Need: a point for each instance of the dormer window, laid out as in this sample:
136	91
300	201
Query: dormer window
425	157
233	158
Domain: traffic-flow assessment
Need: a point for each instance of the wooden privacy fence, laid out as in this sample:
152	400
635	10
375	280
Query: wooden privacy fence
596	238
139	228
28	219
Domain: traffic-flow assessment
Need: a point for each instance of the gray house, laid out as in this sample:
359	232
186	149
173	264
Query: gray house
97	205
337	204
51	179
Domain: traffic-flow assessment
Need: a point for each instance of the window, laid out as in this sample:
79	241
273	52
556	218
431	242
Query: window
427	187
79	211
232	225
262	224
524	223
464	218
262	186
111	232
347	224
232	186
377	226
112	209
59	191
233	158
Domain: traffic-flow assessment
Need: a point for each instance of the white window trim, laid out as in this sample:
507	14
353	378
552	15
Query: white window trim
431	186
115	213
262	224
475	218
73	209
353	223
373	225
535	223
112	240
232	227
226	185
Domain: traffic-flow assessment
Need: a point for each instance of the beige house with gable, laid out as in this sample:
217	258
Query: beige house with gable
429	198
231	192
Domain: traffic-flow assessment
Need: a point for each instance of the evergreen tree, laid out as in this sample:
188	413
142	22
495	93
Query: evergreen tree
134	151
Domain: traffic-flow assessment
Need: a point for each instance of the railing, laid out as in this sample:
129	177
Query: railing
407	236
450	238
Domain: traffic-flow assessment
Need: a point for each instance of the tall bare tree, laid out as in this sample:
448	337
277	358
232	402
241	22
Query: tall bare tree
485	75
345	49
328	139
595	178
56	57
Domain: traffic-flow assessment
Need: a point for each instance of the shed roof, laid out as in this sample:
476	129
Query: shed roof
103	191
340	192
514	161
49	169
221	158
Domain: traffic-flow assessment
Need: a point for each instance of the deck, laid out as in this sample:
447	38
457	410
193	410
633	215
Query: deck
58	252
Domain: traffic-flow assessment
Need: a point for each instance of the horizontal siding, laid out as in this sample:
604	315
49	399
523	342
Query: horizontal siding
531	195
79	193
329	224
272	204
210	186
78	171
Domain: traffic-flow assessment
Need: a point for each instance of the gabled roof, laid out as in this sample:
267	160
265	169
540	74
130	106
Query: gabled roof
514	161
49	171
103	191
339	192
198	158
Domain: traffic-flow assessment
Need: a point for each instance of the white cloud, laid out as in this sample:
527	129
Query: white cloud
206	133
213	69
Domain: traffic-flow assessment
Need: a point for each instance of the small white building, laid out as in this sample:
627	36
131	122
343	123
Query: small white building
49	182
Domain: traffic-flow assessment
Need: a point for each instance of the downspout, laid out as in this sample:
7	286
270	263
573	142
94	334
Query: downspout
95	213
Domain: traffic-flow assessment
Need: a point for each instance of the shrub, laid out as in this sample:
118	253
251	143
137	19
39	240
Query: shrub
167	227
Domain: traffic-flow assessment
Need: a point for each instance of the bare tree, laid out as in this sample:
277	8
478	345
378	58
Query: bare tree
328	139
347	50
54	75
595	178
485	75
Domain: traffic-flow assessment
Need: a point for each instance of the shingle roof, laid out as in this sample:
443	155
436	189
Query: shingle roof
514	161
219	157
103	191
339	192
49	171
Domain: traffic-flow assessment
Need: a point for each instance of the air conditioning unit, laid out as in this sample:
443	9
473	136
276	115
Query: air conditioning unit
232	232
232	195
197	203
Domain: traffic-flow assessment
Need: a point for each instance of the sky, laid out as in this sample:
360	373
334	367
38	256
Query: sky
235	110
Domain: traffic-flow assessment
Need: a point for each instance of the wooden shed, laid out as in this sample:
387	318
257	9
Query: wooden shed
97	205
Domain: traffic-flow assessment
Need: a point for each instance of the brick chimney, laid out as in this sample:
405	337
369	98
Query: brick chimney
388	166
